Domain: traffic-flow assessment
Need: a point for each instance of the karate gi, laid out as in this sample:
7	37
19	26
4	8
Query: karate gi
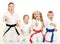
49	35
25	37
10	32
37	35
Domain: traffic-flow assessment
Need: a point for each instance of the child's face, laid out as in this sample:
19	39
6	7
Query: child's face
50	15
26	18
11	7
37	15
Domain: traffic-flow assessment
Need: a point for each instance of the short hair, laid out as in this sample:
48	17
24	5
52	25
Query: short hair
25	16
50	11
10	3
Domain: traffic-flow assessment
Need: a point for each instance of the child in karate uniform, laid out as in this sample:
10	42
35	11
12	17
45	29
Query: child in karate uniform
25	30
50	27
12	20
38	25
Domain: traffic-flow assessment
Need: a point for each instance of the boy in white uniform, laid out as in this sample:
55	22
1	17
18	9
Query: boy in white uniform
50	27
25	29
11	19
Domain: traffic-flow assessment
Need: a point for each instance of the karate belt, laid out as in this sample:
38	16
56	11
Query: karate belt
49	30
36	32
10	26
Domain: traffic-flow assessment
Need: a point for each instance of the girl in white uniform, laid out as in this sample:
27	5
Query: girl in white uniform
25	30
50	27
38	26
11	19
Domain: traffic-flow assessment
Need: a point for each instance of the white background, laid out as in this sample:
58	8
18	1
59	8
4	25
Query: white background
28	6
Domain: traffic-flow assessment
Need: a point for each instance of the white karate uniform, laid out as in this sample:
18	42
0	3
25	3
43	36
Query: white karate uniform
11	35
37	37
47	24
26	28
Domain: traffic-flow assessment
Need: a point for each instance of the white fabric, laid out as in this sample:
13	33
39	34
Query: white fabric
25	28
37	37
12	19
34	24
49	34
11	35
47	24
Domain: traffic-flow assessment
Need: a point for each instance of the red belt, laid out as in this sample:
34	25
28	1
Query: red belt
36	31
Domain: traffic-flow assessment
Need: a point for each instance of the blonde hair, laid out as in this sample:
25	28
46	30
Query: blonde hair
41	17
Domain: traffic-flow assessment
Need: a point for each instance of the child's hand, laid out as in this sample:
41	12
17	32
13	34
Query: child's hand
17	24
36	24
52	24
6	18
55	29
22	32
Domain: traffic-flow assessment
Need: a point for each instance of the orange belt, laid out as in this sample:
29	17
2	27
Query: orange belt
36	31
